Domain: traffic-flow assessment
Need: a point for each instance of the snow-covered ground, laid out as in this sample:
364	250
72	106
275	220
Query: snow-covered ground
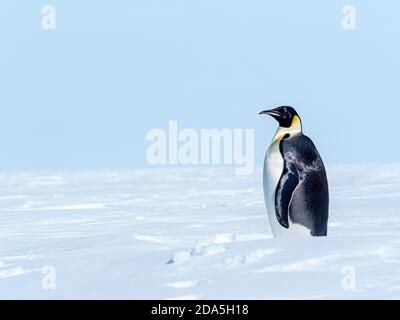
192	234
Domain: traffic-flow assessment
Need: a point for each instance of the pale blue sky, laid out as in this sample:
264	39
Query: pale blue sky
83	96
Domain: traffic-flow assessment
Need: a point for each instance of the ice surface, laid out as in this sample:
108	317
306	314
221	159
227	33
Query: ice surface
193	234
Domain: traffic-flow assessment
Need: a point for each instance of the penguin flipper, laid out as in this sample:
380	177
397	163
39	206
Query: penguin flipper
284	191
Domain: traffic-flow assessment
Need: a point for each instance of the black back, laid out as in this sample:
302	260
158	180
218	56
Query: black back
302	191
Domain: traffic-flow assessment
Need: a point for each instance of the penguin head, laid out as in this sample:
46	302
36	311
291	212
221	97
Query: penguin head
285	115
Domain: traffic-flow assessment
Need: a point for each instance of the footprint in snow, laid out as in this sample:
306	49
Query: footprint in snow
186	284
217	246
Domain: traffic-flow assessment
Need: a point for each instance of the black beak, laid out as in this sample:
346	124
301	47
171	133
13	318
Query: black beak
273	113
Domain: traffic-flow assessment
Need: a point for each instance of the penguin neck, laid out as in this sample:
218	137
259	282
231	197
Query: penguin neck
295	129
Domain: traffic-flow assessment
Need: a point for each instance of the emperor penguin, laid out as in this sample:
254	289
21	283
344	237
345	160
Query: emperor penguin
295	185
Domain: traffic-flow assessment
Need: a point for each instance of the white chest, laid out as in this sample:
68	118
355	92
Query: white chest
273	168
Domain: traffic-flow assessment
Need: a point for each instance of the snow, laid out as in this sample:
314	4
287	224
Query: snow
193	234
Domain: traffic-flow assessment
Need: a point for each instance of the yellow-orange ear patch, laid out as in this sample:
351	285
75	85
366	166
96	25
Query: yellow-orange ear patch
295	121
